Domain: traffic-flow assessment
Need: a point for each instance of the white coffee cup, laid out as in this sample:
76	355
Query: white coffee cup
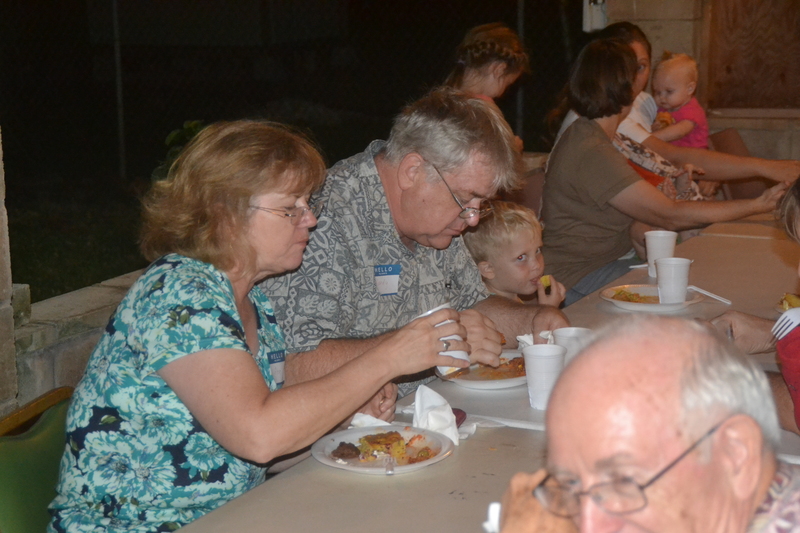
543	365
574	339
659	244
457	354
673	279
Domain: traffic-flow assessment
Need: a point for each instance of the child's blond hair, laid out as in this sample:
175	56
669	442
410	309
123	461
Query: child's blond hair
506	220
683	62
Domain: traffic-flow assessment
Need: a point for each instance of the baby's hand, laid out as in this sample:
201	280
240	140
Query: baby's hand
663	119
549	291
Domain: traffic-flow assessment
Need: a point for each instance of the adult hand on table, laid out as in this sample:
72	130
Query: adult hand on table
750	333
484	339
772	196
382	404
547	318
522	512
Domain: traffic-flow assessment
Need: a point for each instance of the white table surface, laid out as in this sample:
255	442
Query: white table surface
453	494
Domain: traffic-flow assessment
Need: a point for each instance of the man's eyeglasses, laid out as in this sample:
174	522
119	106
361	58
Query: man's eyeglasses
617	497
294	214
466	212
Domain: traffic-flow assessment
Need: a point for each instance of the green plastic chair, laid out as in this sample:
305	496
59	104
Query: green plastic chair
29	463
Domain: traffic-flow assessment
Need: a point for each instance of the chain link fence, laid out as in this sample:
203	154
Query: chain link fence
90	89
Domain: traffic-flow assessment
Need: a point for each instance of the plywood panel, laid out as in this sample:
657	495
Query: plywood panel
754	58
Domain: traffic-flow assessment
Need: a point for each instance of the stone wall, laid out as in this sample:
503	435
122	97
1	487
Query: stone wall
53	347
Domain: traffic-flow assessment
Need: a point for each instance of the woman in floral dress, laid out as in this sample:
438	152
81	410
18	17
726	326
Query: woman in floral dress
183	402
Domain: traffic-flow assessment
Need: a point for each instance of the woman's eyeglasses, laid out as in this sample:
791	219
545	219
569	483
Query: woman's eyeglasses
294	214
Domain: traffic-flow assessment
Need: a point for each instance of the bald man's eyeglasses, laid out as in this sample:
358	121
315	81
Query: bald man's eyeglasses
466	212
619	497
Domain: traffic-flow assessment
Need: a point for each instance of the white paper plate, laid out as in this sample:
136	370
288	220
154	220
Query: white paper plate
490	384
648	290
321	450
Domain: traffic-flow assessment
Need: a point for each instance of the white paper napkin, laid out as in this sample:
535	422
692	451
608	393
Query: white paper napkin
492	524
524	341
362	420
431	411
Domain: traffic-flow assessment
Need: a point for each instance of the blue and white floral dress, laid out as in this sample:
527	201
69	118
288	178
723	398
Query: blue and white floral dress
135	458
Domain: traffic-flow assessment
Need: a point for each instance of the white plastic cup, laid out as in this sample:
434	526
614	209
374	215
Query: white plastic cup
659	244
573	339
673	279
543	365
457	354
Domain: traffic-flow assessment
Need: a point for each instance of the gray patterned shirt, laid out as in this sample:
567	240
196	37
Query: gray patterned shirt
345	286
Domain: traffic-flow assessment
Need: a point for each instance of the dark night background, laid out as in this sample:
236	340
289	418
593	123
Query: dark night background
337	69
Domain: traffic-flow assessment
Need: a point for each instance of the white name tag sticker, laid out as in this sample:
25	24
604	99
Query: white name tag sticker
387	278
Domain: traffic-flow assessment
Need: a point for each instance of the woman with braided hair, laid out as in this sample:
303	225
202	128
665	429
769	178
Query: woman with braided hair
488	60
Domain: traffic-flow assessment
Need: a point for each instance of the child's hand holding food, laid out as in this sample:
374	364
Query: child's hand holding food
549	291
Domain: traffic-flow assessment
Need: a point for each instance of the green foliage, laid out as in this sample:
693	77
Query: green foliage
175	142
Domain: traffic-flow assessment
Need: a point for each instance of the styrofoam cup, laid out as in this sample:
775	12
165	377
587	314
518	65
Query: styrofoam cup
457	354
574	339
543	365
659	244
673	279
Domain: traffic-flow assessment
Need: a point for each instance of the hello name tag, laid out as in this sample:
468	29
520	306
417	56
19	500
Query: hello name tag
387	278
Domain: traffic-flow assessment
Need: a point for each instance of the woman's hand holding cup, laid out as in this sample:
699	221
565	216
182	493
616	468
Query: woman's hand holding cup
417	346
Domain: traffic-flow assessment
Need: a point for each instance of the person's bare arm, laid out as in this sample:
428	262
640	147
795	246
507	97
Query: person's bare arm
329	355
643	202
226	392
674	132
750	333
512	318
723	167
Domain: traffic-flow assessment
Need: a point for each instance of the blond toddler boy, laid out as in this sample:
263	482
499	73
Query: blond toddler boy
506	246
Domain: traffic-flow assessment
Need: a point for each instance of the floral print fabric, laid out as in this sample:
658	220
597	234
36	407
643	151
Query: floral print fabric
135	458
780	510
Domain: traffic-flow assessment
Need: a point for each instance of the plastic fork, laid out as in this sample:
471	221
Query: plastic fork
389	463
787	322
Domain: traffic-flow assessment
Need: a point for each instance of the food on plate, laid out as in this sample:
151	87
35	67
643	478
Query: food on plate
375	446
346	450
389	443
625	295
789	301
509	368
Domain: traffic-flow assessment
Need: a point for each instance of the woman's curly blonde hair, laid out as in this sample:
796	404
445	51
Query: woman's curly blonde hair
202	209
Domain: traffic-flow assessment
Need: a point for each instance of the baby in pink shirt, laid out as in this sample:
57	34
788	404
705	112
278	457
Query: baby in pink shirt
680	120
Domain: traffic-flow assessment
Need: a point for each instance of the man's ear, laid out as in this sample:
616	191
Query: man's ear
741	445
692	86
410	171
486	269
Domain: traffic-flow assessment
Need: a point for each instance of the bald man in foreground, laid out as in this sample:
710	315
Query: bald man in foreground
659	426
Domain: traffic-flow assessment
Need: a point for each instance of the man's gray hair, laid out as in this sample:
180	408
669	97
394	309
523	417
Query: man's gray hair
446	126
718	381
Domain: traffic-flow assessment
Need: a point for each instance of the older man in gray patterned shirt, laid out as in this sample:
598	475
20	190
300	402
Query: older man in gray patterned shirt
388	247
